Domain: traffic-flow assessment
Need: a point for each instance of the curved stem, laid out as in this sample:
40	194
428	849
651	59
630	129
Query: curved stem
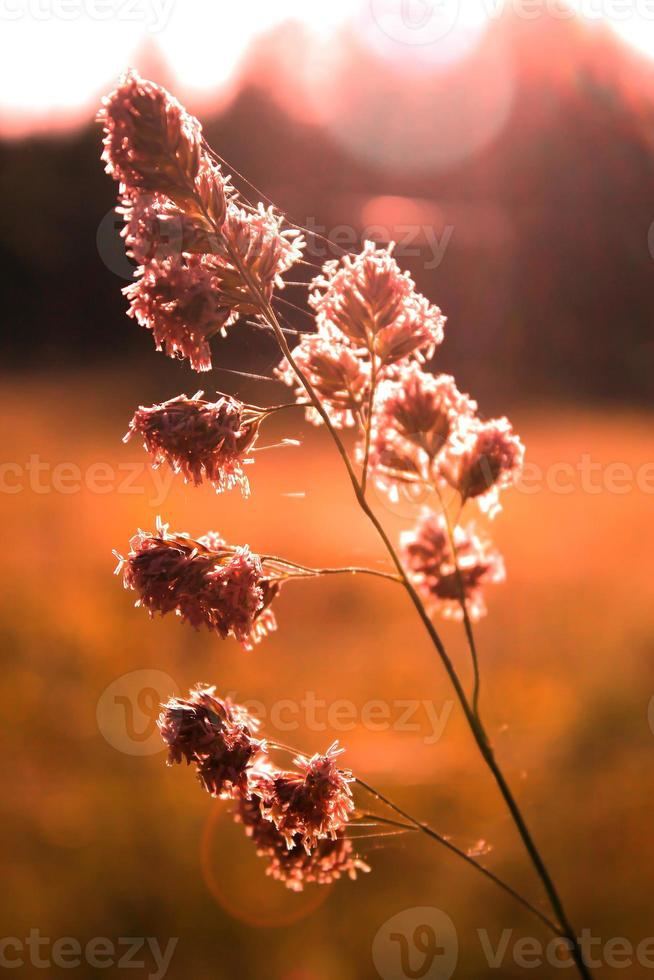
464	606
430	832
418	825
368	422
476	728
304	571
281	408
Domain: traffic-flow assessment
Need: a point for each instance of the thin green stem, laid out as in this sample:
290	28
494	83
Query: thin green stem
430	832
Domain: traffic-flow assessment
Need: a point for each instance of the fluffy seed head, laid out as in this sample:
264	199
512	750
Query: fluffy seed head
156	229
368	299
313	803
491	461
323	864
428	556
215	735
180	301
200	439
337	372
151	143
205	582
417	417
264	248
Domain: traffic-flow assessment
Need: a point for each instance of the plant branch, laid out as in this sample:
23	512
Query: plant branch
368	421
464	606
418	825
304	571
475	726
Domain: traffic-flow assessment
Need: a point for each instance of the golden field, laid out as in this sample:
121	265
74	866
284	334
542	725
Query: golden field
102	839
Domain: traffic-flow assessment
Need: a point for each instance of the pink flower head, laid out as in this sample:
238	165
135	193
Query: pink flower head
491	461
186	299
368	299
151	143
428	556
156	229
202	440
310	804
416	418
263	247
295	866
337	373
180	301
215	735
205	582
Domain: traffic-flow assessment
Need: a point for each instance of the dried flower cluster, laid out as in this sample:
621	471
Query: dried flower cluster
309	804
205	582
327	861
200	439
295	818
429	555
366	361
216	736
205	257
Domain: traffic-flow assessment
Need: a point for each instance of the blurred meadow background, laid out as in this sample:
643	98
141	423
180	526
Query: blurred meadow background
512	160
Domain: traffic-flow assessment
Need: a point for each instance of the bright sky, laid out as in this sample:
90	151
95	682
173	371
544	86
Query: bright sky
57	56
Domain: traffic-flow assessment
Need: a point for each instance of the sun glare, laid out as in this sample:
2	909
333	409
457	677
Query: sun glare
632	21
55	58
53	67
